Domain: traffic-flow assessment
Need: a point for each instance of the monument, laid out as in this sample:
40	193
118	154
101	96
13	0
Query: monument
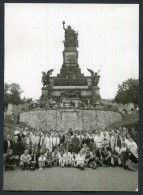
70	99
70	85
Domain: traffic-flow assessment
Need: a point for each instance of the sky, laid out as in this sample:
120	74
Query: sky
108	41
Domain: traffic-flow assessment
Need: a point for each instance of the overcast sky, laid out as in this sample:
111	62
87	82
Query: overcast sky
108	41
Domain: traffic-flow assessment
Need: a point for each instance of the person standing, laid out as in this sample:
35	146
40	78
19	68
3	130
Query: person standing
98	140
7	144
27	142
48	142
16	150
56	140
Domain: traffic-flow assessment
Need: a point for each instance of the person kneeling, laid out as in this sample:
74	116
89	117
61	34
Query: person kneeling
25	160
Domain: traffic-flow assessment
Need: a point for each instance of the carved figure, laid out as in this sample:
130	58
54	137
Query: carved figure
95	77
46	77
71	37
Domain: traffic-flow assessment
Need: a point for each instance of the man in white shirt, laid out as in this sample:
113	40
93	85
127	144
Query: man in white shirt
98	140
35	141
48	142
112	141
56	140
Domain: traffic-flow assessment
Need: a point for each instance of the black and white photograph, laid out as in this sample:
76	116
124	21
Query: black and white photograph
71	97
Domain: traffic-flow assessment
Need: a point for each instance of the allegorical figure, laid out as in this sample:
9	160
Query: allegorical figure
46	77
95	77
71	37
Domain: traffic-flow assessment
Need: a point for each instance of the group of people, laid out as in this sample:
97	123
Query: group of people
105	147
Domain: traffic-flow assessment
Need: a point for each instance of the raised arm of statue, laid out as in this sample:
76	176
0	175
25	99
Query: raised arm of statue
64	25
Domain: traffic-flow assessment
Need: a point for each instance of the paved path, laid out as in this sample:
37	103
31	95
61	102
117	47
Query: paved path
72	179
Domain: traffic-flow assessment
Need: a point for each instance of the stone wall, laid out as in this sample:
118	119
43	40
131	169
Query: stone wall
119	106
61	119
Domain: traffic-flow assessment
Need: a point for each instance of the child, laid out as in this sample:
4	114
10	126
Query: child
80	160
67	158
61	158
9	162
25	160
41	160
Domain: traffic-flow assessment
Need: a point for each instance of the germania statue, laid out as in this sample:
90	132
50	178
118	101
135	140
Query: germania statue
71	37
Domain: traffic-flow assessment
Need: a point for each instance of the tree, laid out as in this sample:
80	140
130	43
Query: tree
12	93
128	92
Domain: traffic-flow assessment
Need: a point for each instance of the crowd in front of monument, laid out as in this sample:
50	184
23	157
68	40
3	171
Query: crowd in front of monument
106	147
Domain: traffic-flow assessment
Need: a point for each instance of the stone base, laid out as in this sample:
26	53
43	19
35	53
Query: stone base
63	119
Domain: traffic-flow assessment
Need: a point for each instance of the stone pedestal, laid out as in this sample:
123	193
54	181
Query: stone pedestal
95	93
44	93
70	56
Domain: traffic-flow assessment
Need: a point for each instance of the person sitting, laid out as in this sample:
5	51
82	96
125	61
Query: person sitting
61	158
89	158
67	158
9	161
84	149
25	160
80	160
93	160
41	160
132	162
115	157
107	156
55	157
73	159
48	156
124	155
100	157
